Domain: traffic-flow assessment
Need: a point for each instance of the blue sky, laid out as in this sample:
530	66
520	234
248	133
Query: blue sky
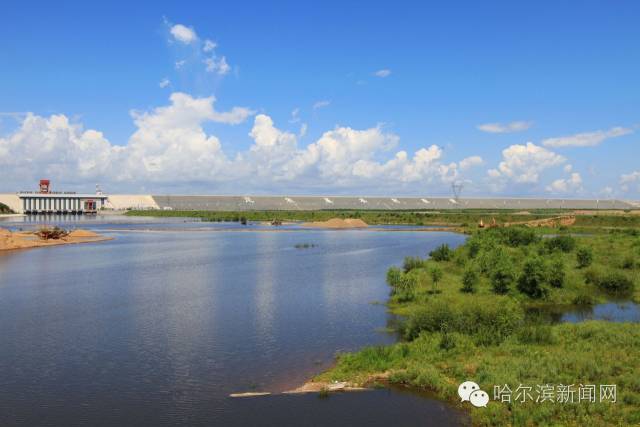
384	77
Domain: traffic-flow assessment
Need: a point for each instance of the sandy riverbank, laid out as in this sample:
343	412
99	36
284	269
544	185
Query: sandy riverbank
338	223
28	239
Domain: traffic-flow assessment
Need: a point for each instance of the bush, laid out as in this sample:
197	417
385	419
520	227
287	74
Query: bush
584	257
516	236
564	243
629	262
474	247
502	277
403	286
436	274
412	262
469	280
612	282
441	253
532	279
489	320
557	274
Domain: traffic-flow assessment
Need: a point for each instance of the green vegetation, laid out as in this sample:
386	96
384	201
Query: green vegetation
457	218
4	209
469	321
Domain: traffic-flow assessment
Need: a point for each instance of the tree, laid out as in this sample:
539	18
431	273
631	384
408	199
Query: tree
532	279
441	253
502	277
436	274
469	280
557	274
584	257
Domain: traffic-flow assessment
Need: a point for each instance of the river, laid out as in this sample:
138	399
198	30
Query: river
159	325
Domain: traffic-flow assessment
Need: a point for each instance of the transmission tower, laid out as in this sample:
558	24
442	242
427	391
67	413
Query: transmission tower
456	188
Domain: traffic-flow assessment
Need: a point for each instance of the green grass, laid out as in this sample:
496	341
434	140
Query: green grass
450	336
587	353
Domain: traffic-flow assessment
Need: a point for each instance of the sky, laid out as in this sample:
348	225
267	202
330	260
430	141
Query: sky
531	98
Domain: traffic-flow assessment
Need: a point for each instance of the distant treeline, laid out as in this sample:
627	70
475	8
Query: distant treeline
456	218
466	218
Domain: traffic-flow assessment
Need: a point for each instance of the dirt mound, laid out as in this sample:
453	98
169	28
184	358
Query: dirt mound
83	233
338	223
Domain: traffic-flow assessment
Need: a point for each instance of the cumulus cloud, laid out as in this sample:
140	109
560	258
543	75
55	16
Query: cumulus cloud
524	163
382	73
628	181
470	162
219	66
505	127
183	34
164	83
209	45
586	139
170	146
562	186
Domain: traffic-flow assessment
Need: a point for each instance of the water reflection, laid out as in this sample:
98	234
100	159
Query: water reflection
158	328
624	311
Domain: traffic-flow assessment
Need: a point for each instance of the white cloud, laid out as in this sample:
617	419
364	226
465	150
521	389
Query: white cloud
524	163
505	127
382	73
470	162
586	139
180	63
321	104
164	83
183	34
209	45
571	184
171	147
295	115
627	181
303	130
219	66
568	168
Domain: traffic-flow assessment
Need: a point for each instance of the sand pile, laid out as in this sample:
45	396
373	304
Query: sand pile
82	233
338	223
28	239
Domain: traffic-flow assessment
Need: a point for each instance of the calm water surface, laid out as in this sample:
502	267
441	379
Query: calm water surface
161	324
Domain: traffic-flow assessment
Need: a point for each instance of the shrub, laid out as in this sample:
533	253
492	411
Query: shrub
412	262
557	274
473	247
403	286
469	280
502	277
629	262
441	253
532	279
564	243
517	236
615	283
489	320
584	257
436	274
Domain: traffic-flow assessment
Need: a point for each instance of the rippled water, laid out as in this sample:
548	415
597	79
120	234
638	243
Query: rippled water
160	325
